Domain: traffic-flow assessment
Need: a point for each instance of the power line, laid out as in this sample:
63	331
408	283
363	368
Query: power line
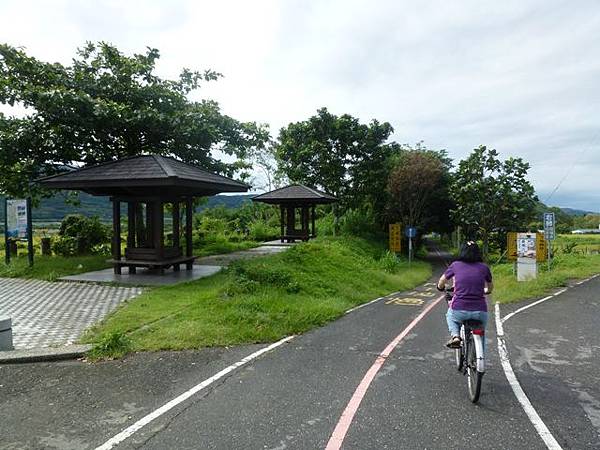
575	161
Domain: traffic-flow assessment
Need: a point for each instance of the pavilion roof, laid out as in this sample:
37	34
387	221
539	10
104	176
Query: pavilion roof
146	175
295	193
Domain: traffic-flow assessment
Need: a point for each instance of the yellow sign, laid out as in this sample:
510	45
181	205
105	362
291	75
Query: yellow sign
511	246
541	251
395	237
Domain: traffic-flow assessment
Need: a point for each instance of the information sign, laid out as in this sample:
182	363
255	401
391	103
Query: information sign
411	232
511	246
395	237
541	248
549	226
16	218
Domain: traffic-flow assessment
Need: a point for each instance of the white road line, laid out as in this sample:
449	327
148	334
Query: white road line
534	417
127	432
363	305
508	316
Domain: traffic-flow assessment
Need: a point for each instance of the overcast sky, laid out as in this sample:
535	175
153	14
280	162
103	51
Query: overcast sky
520	76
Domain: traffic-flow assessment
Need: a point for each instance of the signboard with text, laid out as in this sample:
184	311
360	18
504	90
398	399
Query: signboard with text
16	219
549	226
395	237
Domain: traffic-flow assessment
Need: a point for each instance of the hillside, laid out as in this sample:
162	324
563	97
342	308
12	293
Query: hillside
55	209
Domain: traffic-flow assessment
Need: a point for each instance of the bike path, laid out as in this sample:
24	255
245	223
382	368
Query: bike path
421	401
295	397
555	351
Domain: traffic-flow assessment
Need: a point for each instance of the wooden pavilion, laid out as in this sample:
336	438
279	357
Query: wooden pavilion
146	184
296	198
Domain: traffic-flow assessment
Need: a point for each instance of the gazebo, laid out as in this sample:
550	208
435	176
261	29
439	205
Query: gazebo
147	183
292	198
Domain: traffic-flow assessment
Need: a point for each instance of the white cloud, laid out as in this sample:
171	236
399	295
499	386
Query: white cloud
520	76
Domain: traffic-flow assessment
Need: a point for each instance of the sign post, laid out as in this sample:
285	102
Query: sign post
6	238
549	233
411	232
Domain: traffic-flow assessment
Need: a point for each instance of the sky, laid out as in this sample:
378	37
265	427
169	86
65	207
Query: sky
518	76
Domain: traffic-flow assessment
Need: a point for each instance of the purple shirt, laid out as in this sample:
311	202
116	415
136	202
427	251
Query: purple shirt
469	282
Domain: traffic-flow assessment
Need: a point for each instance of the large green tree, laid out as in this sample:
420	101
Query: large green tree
491	195
340	155
106	105
418	188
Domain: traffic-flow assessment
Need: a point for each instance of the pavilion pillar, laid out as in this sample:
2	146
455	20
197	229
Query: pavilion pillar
150	224
176	229
140	232
282	217
305	228
291	221
116	243
158	239
189	215
313	211
131	229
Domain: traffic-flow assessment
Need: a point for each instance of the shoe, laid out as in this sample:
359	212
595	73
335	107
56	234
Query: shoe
454	342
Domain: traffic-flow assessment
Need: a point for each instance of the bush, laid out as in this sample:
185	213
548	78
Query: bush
389	262
111	345
260	231
80	235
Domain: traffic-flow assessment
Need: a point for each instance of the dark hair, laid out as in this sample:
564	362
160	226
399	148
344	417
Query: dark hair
470	253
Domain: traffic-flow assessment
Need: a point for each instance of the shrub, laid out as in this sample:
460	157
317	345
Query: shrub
80	235
389	262
111	345
260	231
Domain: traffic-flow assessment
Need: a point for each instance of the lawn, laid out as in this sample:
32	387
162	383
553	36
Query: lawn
263	299
565	267
50	268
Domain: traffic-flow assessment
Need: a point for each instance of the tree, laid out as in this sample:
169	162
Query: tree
339	155
418	189
105	106
491	195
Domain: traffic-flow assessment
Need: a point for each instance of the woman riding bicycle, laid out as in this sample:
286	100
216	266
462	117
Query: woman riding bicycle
472	280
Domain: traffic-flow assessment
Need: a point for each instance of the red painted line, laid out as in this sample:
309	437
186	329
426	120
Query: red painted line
341	429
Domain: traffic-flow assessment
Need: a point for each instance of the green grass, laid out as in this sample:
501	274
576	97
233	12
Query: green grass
565	267
50	268
581	243
222	247
263	299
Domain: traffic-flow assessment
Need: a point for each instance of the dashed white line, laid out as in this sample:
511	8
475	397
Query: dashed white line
127	432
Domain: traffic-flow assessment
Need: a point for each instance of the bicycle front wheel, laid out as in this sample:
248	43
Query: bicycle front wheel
474	377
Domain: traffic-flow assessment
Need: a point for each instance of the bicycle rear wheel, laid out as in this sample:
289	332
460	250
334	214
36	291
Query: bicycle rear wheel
474	377
458	354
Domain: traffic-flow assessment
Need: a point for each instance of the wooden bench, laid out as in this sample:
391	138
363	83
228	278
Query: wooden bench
159	264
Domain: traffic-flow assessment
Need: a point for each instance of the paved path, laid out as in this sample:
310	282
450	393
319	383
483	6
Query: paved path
293	397
48	314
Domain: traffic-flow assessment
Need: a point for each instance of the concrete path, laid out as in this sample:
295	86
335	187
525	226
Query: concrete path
48	314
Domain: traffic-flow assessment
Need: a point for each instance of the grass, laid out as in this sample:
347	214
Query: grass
222	247
50	268
581	243
263	299
565	267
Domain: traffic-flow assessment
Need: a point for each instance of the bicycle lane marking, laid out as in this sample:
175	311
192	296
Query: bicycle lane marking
343	425
129	431
534	417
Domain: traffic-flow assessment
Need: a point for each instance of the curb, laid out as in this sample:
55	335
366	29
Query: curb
43	354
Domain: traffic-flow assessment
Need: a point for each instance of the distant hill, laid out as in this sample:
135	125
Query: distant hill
55	209
576	212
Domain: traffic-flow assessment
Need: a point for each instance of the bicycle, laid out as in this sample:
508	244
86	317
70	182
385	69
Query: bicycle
469	356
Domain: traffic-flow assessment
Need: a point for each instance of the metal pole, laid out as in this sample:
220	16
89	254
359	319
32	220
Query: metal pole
29	232
410	250
6	240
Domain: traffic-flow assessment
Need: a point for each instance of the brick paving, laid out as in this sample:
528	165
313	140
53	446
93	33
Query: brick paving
48	314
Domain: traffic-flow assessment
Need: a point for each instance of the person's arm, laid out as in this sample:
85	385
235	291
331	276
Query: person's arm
489	287
441	285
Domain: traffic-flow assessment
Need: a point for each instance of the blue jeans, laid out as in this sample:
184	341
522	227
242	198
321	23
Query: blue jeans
455	318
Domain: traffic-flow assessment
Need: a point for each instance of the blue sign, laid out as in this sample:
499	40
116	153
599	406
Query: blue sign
410	232
549	226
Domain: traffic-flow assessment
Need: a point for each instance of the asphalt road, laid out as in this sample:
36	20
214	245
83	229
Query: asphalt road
293	397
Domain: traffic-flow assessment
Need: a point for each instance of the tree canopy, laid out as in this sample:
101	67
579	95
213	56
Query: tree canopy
340	155
107	105
418	189
491	195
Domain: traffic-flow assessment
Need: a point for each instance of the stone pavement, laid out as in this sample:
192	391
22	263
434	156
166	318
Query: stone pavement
48	314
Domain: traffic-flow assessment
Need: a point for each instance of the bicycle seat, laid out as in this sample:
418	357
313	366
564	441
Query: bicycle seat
471	323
